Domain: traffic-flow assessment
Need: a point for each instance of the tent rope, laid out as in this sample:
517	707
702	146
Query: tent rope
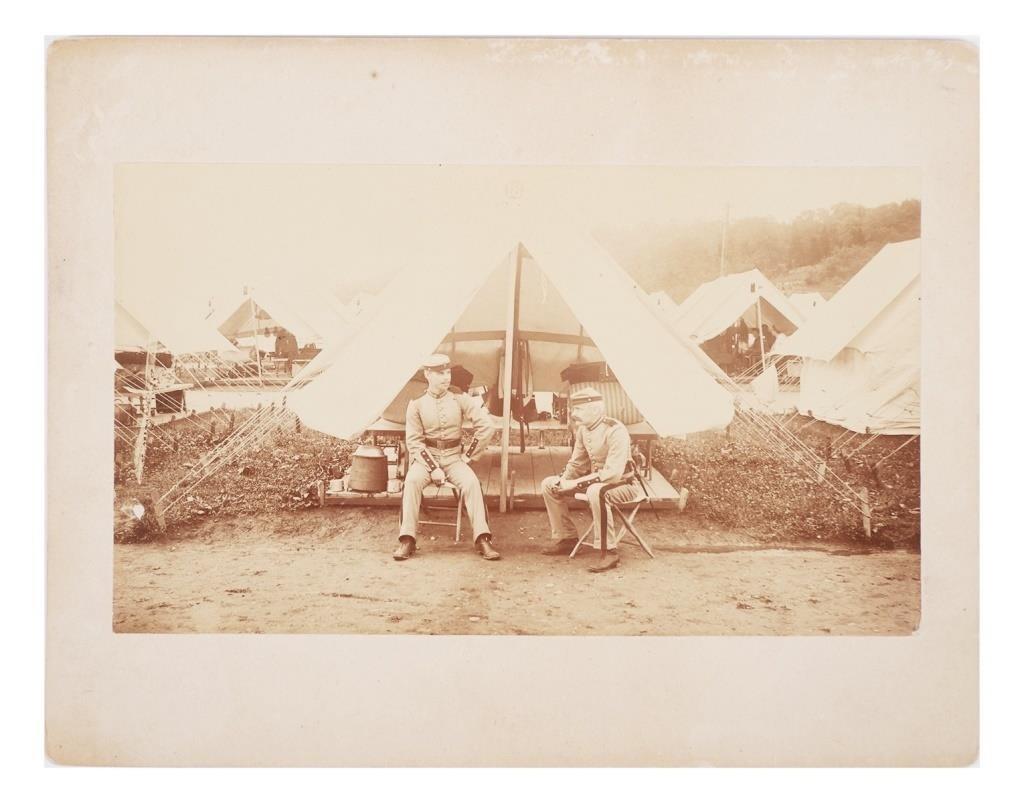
869	440
253	431
907	442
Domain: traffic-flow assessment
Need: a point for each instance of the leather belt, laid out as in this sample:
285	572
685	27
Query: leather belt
442	443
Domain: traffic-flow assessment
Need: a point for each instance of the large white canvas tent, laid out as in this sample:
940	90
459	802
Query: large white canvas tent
707	315
561	295
862	350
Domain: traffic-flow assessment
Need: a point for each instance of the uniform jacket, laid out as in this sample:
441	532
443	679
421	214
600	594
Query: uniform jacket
603	448
442	418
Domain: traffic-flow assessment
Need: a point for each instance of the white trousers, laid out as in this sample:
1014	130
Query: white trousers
562	524
460	475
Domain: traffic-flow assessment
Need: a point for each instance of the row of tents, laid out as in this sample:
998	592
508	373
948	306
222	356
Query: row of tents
251	325
553	299
859	351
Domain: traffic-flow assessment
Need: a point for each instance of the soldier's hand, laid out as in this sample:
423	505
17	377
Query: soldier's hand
437	476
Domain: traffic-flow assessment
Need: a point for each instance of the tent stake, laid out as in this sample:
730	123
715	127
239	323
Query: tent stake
684	497
865	511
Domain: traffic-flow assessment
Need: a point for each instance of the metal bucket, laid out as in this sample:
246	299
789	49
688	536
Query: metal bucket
369	472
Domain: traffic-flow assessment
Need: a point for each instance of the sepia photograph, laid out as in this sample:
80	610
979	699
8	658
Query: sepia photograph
709	422
511	402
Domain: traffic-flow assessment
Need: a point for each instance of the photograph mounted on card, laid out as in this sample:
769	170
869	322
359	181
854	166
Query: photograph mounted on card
432	358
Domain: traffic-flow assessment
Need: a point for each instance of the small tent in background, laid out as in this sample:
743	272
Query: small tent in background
807	303
169	347
725	315
135	347
862	350
550	298
257	317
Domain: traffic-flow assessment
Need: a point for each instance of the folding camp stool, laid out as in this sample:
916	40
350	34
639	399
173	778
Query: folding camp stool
429	503
626	511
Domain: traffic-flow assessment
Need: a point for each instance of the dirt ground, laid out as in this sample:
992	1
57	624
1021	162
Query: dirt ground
329	570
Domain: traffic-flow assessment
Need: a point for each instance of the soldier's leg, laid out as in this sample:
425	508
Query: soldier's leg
598	498
562	525
598	511
466	480
620	495
416	479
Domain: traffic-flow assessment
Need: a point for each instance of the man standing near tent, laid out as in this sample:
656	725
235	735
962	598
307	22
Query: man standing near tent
433	437
599	459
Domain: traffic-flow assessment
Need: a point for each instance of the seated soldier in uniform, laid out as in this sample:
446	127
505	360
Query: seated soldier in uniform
433	437
600	456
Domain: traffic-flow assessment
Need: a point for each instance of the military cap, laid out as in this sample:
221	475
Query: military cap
584	396
437	362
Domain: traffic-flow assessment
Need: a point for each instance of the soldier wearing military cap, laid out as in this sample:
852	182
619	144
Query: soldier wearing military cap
600	456
433	437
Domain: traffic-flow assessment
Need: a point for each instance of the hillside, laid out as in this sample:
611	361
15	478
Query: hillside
818	251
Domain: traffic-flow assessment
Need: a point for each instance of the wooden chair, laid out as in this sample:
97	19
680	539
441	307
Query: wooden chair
435	502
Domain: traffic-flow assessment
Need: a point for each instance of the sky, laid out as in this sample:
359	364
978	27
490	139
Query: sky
187	233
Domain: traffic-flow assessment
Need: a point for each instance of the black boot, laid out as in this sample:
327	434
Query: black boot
609	561
563	547
483	545
406	548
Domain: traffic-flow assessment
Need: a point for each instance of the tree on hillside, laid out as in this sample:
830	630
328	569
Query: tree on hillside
818	250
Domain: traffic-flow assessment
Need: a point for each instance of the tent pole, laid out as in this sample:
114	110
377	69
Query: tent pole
721	250
255	339
760	332
149	393
506	379
519	376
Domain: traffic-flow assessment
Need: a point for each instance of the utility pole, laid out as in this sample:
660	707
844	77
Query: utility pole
721	252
